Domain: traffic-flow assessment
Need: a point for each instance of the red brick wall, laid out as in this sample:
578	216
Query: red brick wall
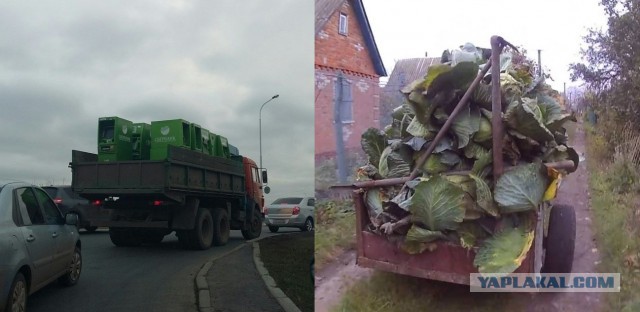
336	52
346	52
365	92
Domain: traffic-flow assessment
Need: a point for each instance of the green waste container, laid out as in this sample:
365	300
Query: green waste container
207	147
141	141
225	146
196	137
220	146
233	150
176	132
114	139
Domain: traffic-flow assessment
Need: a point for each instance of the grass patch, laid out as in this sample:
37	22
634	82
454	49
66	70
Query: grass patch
335	230
614	184
391	292
288	259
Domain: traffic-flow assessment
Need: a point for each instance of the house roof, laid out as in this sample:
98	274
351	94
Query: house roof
408	70
326	8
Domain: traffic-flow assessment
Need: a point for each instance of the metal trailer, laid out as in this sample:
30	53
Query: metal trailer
451	262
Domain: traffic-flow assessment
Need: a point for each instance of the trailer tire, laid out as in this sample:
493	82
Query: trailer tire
560	240
202	235
124	237
255	227
221	227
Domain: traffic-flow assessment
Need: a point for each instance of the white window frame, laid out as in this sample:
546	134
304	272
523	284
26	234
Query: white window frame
343	24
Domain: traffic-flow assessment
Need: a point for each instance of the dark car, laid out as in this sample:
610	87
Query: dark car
68	201
38	245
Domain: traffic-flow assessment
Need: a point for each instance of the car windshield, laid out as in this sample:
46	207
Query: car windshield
51	191
288	201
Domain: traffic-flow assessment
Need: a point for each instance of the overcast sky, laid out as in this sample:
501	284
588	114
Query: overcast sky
65	64
409	28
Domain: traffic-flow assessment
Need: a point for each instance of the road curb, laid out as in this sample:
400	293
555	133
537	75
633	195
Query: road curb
202	287
276	292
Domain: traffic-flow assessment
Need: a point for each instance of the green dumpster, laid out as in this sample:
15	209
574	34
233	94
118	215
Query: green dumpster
220	145
196	137
141	141
233	150
206	142
114	139
225	146
176	132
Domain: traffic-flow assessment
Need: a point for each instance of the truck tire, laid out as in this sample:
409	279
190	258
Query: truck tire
202	235
255	226
221	227
124	237
151	236
560	240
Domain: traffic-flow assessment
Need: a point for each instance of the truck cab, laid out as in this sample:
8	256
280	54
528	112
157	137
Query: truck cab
253	182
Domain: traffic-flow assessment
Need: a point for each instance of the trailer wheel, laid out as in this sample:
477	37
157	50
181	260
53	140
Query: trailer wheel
221	227
560	241
203	233
124	237
255	227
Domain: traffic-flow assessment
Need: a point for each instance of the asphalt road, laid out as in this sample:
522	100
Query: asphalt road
147	278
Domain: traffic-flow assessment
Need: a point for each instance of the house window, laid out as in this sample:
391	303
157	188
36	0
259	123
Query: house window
342	27
345	108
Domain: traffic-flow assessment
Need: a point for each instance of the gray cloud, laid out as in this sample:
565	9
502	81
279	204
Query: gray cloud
210	62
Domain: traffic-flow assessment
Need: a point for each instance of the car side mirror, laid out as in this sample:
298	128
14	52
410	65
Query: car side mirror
264	176
71	219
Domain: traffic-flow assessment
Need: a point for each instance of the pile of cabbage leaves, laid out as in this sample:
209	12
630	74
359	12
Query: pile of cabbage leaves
455	198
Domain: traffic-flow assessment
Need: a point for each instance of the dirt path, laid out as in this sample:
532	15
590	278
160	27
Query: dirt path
332	281
575	191
335	278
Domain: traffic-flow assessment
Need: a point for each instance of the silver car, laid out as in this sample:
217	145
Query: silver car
290	212
38	245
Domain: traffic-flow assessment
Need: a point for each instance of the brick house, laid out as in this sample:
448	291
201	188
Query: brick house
344	47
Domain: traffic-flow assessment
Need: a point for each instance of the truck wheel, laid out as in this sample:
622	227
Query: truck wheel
151	236
124	237
255	227
221	227
560	240
203	233
273	229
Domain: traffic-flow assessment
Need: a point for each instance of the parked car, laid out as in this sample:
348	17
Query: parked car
290	212
68	201
38	245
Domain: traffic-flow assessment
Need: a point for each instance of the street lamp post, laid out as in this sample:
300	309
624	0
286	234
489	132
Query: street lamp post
260	120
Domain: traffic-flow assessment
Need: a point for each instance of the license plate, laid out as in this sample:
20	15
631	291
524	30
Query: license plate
279	221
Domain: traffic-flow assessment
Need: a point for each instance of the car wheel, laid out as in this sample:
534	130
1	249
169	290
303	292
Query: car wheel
273	229
91	229
75	268
18	293
124	237
308	225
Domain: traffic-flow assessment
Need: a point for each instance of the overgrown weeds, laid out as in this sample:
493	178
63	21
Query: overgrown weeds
613	161
335	230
